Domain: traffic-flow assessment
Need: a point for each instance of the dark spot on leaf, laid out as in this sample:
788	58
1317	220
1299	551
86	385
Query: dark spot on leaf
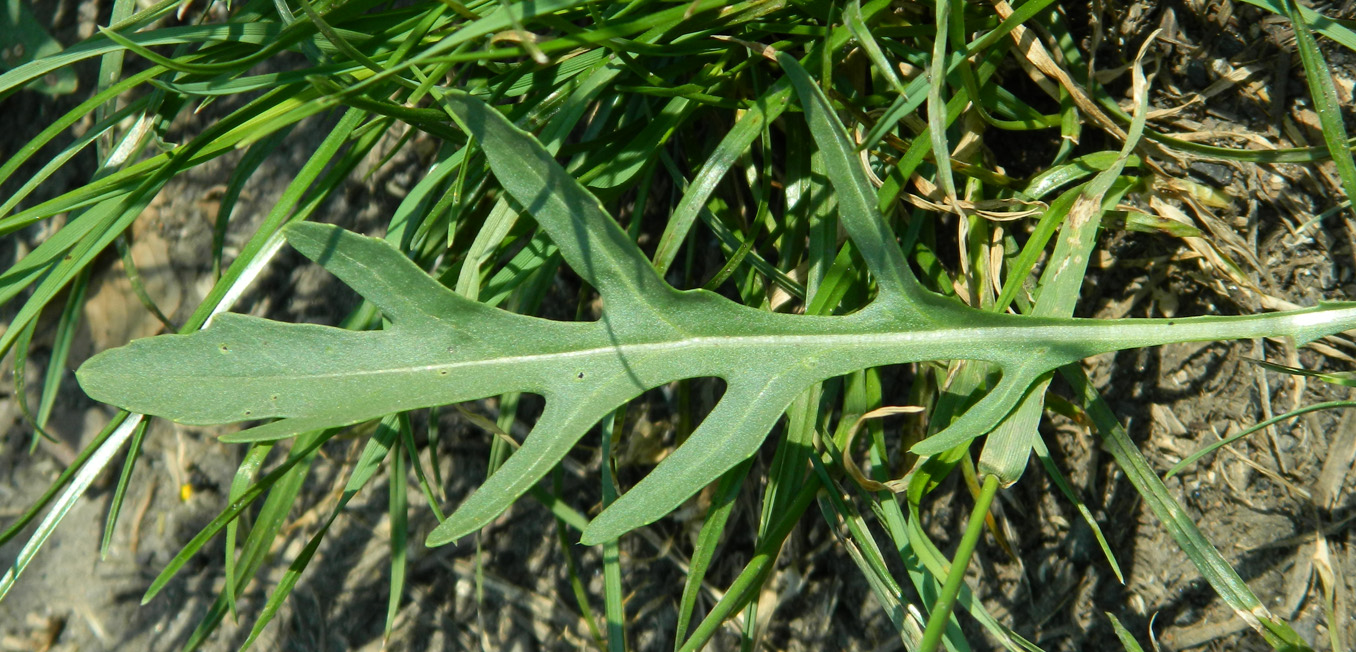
247	413
225	349
274	397
442	372
581	375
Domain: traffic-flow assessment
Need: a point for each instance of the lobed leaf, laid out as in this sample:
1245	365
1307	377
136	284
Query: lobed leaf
442	348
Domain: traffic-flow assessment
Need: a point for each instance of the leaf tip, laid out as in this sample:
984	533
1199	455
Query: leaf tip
591	537
443	535
299	232
928	447
608	526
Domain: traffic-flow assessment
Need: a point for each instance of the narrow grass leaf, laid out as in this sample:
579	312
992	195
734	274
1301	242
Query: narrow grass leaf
302	449
735	142
92	467
120	492
399	516
260	541
1205	556
707	543
614	600
1127	639
66	328
1057	476
1324	94
1261	425
240	482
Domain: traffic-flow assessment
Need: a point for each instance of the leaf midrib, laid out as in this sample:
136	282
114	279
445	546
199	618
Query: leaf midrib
1021	340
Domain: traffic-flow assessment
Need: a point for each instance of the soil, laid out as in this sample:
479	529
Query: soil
1277	505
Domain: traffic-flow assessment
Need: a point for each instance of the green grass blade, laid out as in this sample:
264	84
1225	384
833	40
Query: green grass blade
251	33
862	549
240	482
399	510
735	142
614	604
1324	25
273	514
70	151
852	15
937	113
1127	639
940	618
23	38
249	163
67	325
282	494
407	437
1261	425
1324	94
63	479
301	452
873	237
581	597
268	238
94	465
745	587
1057	476
708	542
1213	567
491	237
120	492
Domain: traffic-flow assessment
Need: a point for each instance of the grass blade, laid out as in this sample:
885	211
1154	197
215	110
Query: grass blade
1205	556
1324	94
89	470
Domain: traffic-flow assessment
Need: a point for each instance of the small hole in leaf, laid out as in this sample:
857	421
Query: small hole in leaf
247	413
225	349
442	372
581	375
274	397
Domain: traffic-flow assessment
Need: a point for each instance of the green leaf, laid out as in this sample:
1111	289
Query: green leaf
84	472
1343	378
22	39
443	348
1127	639
1208	560
1324	93
1220	443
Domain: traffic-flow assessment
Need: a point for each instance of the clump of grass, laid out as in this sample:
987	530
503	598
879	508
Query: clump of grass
735	108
